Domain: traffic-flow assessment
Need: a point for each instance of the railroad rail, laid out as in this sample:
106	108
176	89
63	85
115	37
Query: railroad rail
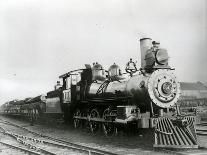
202	124
59	142
201	132
23	140
30	152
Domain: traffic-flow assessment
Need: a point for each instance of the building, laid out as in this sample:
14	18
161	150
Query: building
191	90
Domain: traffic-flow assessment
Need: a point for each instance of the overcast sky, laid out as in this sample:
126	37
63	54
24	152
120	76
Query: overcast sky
42	39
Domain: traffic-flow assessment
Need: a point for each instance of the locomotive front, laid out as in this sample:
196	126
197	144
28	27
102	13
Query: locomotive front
156	83
154	92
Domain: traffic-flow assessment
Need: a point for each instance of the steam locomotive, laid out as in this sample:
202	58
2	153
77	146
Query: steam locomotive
100	98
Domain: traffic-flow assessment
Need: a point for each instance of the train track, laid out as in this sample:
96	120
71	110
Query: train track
202	132
200	151
202	124
20	149
53	142
86	149
34	144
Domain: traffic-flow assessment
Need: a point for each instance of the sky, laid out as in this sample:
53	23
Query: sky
42	39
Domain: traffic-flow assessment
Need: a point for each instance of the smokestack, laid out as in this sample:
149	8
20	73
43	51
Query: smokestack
145	44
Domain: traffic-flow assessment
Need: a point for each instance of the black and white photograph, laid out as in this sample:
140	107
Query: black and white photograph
103	77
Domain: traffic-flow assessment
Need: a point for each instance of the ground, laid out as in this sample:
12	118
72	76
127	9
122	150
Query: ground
136	144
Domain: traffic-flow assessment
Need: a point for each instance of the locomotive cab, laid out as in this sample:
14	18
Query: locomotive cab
76	83
69	87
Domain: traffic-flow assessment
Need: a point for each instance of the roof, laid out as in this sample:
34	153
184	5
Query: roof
70	73
192	86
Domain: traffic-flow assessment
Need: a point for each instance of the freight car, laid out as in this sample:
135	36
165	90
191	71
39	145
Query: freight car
145	98
41	106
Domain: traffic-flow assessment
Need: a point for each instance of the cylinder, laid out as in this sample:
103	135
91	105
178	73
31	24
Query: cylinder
145	45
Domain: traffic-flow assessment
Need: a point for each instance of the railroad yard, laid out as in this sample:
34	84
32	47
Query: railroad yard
103	77
19	137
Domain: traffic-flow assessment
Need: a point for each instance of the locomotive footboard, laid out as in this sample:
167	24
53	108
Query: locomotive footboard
177	133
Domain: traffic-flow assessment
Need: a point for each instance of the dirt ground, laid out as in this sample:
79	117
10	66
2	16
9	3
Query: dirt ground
124	144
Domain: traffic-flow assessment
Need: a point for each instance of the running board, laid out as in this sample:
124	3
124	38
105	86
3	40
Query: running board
177	133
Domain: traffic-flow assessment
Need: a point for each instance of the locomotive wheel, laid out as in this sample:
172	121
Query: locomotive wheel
109	129
77	122
94	126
